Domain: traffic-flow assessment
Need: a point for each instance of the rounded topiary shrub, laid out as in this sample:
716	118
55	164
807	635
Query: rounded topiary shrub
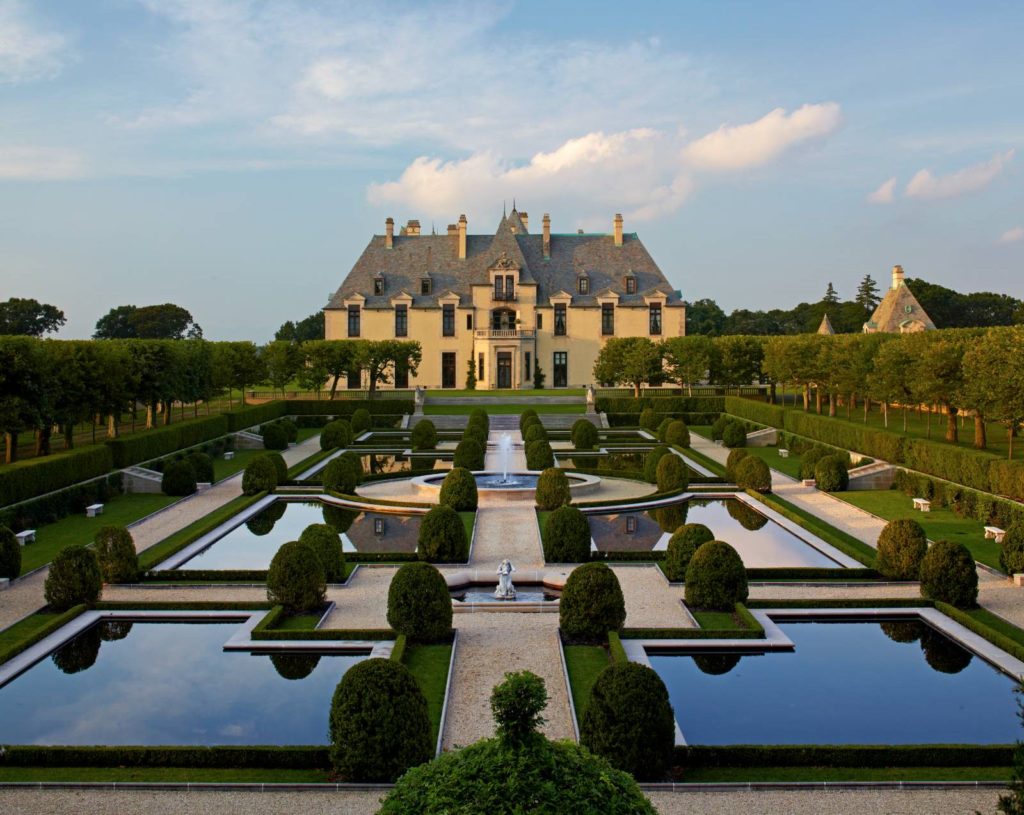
1011	555
649	419
260	476
419	604
179	478
379	724
202	466
584	435
682	546
948	574
442	537
734	458
469	454
274	437
475	430
830	474
280	466
291	430
753	474
458	490
734	435
718	427
424	435
553	489
591	603
296	578
715	578
901	548
651	462
629	721
809	460
115	551
479	416
336	434
357	464
361	420
672	474
535	432
678	434
539	456
340	476
525	417
325	542
566	536
74	579
663	429
10	554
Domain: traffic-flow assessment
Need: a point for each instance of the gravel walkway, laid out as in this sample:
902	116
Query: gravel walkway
651	601
819	802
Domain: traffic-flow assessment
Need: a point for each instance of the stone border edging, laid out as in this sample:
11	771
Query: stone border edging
447	697
568	688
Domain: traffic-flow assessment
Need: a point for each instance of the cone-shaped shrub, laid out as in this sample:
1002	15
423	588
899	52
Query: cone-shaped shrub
901	548
651	462
753	474
115	550
672	474
734	458
357	464
260	476
361	420
274	437
424	435
734	435
567	536
535	432
591	603
584	435
715	578
419	604
291	430
469	454
718	427
663	429
443	537
527	416
479	416
340	476
325	541
831	475
336	434
678	434
948	574
649	419
682	546
202	466
553	489
296	578
280	466
539	455
10	554
458	490
74	579
809	460
179	478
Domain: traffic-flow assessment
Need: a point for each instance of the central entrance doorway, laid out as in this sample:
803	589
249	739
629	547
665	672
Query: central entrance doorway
504	369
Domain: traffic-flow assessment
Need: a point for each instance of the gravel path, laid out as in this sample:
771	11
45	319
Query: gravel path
651	601
818	802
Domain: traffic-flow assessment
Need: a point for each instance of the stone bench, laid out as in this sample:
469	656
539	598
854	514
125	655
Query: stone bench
809	482
26	536
783	452
229	455
93	510
923	504
994	533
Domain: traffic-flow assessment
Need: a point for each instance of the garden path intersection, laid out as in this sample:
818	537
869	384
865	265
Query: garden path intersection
490	644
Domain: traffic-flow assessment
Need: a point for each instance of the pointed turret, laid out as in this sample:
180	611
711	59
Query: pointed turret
826	326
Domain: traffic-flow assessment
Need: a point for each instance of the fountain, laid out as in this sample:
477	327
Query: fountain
505	590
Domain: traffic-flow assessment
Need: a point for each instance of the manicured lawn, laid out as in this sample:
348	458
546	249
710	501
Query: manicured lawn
429	664
939	524
584	663
298	622
120	510
456	410
717	619
23	629
164	774
998	624
468	520
708	775
308	433
222	469
770	455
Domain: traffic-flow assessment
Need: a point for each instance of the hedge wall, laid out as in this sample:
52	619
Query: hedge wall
943	460
691	418
148	444
260	757
830	755
27	479
53	506
246	417
661	404
760	412
346	407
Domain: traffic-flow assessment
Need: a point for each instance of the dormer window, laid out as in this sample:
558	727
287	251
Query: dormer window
630	284
378	286
583	285
425	286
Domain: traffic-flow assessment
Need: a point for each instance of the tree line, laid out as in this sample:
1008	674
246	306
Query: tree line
50	384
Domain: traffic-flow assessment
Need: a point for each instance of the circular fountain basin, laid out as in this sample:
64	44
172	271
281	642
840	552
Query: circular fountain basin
517	485
536	590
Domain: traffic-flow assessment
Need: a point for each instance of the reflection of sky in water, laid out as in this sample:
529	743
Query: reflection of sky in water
768	546
170	683
846	683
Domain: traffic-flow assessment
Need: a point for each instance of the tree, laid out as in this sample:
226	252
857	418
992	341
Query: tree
29	317
737	360
867	295
329	361
830	298
282	361
704	317
163	322
952	309
238	365
21	361
993	369
687	359
629	360
311	328
471	374
380	358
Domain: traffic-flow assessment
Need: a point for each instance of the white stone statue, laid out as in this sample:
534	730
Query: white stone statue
591	400
505	590
418	399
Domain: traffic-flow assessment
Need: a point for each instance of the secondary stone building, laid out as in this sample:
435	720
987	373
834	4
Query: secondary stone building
899	312
508	301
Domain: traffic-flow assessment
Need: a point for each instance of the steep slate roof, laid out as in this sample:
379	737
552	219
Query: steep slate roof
416	256
892	316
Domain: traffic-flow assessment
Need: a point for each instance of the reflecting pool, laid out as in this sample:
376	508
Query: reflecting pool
146	683
381	463
760	542
861	682
253	544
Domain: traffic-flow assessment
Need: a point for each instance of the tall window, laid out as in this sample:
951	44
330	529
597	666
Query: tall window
401	377
607	318
353	321
631	285
448	320
499	293
378	286
655	318
540	321
355	379
480	367
526	367
510	287
559	319
560	378
401	321
469	322
583	285
448	370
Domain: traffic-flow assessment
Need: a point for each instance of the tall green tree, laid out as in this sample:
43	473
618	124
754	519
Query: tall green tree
831	297
29	317
237	365
704	317
311	328
282	361
633	361
737	360
380	359
21	389
867	295
162	322
993	372
687	359
329	361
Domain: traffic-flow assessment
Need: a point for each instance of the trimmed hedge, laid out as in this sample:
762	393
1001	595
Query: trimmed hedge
681	548
753	474
442	537
715	577
672	474
539	455
179	479
591	604
361	420
842	755
336	434
270	757
424	435
678	434
584	435
74	579
260	476
948	575
10	554
733	460
458	490
651	461
296	578
115	550
419	605
469	455
902	546
553	489
661	404
202	466
1011	555
734	434
340	476
24	480
830	474
566	536
274	437
325	541
148	444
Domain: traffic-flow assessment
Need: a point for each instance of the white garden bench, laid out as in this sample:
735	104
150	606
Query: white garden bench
26	536
994	533
923	504
809	482
229	455
93	510
783	452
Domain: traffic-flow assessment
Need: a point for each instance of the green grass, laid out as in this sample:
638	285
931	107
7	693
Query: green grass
222	469
717	619
584	663
710	775
164	774
939	524
770	455
429	664
468	521
120	510
457	410
298	622
997	624
23	629
508	392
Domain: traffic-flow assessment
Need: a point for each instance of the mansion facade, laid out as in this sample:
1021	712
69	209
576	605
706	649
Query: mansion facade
509	301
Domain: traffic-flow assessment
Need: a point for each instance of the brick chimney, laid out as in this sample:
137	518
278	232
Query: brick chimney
618	229
547	236
526	221
463	224
897	276
412	228
389	233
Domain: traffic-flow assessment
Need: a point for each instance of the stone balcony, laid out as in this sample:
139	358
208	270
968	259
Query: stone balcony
505	333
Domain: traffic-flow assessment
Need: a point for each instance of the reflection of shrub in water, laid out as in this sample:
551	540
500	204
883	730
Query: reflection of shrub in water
902	630
263	524
339	518
80	654
423	463
671	518
295	666
745	516
942	654
716	664
114	630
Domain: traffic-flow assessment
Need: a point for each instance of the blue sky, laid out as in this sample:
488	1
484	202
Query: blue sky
235	157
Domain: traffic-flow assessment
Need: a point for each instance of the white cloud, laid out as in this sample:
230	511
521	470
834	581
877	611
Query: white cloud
39	163
1012	235
928	186
885	193
750	145
27	51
